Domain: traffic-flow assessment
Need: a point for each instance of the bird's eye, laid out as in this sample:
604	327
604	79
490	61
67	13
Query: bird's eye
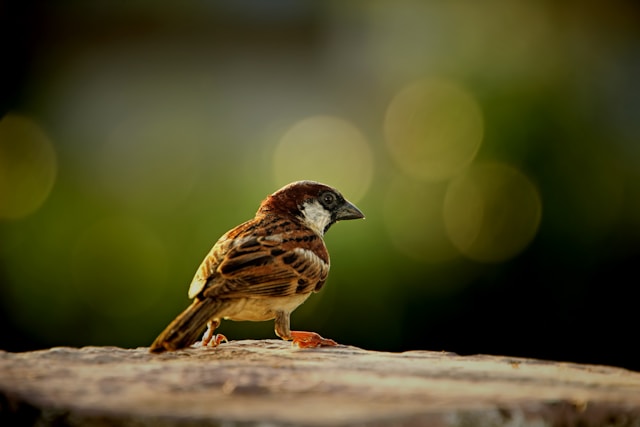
328	199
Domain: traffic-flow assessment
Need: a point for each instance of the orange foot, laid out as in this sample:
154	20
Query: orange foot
213	340
303	339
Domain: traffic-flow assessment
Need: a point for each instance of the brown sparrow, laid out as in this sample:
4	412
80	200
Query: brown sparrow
264	268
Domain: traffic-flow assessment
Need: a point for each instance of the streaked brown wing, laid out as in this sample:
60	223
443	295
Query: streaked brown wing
289	260
209	265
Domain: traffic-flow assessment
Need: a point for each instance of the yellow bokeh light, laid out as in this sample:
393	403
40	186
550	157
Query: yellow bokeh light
325	149
433	129
492	212
27	166
413	216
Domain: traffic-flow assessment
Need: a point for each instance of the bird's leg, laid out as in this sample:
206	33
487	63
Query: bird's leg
300	339
211	339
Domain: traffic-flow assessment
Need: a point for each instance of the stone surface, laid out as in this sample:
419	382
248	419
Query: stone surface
270	383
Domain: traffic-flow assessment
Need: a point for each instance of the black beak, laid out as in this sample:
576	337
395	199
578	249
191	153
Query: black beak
348	211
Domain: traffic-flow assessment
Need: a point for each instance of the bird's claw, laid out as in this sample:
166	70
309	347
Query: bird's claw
213	340
303	339
209	338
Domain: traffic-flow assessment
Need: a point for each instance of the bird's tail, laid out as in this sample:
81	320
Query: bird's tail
185	329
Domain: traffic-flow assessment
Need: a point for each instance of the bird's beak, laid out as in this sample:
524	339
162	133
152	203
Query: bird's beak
348	211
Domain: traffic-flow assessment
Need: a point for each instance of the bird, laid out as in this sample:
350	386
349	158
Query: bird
263	269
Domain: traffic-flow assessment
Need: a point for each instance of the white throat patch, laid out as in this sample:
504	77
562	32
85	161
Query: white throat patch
316	217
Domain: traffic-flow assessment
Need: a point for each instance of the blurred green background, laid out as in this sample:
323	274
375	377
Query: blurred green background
494	147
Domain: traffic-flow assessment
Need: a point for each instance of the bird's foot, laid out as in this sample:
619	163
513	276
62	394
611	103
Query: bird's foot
209	338
213	340
302	339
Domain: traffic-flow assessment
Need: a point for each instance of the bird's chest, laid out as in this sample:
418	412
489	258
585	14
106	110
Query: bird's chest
259	309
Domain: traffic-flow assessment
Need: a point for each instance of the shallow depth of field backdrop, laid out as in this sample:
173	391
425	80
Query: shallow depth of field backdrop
494	147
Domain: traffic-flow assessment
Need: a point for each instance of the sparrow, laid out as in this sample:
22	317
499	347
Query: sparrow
264	268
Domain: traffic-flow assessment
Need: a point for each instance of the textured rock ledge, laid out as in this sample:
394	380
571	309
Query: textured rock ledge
270	383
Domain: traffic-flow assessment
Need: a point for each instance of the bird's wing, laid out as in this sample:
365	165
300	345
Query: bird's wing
211	262
279	264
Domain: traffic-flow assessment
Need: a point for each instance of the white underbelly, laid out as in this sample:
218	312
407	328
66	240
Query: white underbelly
259	309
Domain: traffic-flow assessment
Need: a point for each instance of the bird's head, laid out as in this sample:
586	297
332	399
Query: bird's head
316	205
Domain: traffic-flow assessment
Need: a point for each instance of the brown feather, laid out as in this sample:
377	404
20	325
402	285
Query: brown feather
185	329
262	265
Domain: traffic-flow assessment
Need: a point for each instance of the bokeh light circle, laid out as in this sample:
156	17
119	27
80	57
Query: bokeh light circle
492	212
325	149
413	217
433	129
119	267
28	166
